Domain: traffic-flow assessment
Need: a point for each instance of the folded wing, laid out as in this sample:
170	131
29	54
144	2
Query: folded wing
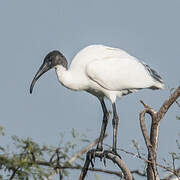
120	73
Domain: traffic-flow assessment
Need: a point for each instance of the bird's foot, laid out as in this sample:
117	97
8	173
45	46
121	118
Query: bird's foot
99	147
92	154
100	153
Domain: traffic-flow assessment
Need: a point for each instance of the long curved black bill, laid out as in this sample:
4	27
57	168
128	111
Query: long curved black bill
44	68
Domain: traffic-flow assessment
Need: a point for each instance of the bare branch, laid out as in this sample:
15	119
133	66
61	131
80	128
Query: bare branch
138	173
169	176
105	154
148	161
167	104
152	142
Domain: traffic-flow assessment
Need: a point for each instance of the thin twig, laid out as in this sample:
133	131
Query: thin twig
146	160
13	174
178	104
169	176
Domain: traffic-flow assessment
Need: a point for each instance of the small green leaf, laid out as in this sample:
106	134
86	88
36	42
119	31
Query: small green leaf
135	144
97	177
2	131
73	133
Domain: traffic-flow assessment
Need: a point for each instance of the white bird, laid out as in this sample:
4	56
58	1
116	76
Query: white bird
104	72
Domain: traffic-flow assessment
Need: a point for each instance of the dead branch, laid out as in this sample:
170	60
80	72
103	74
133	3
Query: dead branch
152	140
167	104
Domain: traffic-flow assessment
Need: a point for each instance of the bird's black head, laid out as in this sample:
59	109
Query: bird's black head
55	58
51	60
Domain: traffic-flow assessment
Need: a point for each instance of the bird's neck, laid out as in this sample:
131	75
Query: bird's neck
67	78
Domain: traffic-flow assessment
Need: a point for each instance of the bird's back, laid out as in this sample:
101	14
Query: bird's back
114	69
95	52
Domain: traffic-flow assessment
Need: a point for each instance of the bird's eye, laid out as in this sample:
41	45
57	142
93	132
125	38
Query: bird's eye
49	61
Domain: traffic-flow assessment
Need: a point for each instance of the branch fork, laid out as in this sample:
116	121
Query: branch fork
151	140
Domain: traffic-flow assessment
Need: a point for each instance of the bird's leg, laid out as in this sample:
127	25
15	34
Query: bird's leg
104	125
115	126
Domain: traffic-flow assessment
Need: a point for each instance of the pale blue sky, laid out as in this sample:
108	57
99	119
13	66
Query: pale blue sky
148	30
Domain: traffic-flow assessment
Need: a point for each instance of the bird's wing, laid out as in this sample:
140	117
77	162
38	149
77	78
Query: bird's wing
121	72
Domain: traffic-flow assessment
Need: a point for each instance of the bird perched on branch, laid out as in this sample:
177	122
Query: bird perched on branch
104	72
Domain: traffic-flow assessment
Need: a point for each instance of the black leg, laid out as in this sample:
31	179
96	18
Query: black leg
115	126
104	124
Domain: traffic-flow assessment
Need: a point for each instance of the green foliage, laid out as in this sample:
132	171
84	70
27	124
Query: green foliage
174	156
2	131
32	161
22	162
97	177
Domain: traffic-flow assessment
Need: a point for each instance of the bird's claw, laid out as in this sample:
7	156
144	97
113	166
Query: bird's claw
99	148
91	155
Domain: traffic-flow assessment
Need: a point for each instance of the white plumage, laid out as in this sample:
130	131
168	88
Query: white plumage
104	72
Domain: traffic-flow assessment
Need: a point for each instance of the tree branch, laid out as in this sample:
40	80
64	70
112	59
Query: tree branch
13	174
167	104
92	154
45	163
77	155
152	142
169	176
